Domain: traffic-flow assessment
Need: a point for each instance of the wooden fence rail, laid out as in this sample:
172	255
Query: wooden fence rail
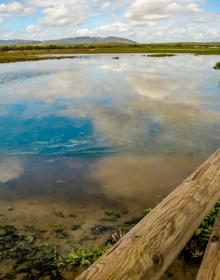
153	244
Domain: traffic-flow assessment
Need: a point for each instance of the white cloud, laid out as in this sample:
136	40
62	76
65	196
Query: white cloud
105	30
62	13
202	26
63	16
192	7
143	11
141	20
105	6
14	9
31	29
10	35
59	13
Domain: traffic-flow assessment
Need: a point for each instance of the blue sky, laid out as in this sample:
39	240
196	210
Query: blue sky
141	20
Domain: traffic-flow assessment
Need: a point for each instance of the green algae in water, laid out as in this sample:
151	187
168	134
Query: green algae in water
217	65
82	257
76	227
111	217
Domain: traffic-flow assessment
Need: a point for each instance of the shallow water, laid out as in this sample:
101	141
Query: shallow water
84	136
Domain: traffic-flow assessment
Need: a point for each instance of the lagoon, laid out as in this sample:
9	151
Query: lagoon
82	138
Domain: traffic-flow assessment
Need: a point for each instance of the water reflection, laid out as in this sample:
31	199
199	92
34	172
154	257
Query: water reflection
99	105
10	169
142	180
129	181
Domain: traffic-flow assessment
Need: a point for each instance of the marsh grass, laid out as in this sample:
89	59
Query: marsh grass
82	257
161	55
34	52
111	217
19	57
217	65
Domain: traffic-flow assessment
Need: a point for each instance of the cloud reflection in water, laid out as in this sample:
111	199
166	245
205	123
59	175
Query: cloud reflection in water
10	169
98	105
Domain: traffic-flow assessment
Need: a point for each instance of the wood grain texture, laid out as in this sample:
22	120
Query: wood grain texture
146	251
210	267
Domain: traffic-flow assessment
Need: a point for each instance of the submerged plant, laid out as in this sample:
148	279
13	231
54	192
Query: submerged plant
82	257
9	230
111	217
136	219
76	227
59	214
217	65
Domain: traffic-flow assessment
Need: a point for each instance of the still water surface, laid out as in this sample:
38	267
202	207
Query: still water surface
95	134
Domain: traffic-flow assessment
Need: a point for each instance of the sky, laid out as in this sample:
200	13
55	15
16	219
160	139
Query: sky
140	20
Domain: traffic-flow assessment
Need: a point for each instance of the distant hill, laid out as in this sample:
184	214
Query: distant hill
19	42
75	40
91	40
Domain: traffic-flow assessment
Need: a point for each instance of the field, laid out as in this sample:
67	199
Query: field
34	52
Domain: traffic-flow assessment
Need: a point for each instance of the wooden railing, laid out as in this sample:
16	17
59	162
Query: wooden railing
154	243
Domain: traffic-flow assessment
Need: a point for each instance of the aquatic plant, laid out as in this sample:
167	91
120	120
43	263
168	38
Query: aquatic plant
111	217
82	257
59	214
217	65
135	219
26	258
146	211
9	230
76	227
100	229
160	55
60	233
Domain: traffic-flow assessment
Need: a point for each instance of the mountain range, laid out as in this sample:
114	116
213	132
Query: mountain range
74	40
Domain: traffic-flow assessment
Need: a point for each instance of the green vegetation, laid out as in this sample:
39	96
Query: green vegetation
197	244
161	55
111	217
19	57
60	233
76	227
82	257
146	211
24	257
34	52
217	65
59	214
135	219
